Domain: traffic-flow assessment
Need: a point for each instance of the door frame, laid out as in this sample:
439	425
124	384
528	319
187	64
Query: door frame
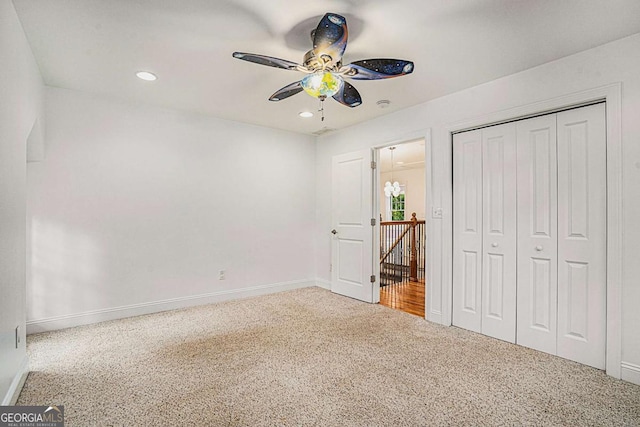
425	135
611	94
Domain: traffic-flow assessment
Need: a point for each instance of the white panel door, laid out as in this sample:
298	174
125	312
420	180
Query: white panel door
467	230
537	234
352	234
582	235
499	236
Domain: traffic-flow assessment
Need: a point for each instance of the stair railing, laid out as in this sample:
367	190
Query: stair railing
401	250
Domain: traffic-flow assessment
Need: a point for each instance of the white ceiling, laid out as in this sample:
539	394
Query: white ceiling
98	45
408	155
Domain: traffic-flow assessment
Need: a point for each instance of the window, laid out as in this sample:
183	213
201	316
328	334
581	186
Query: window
395	206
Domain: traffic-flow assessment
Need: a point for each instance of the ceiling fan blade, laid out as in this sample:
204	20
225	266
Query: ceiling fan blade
349	96
266	60
374	69
330	39
287	91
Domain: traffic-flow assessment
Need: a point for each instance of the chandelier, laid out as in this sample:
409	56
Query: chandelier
389	188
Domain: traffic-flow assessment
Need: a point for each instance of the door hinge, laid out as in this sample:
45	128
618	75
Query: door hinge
373	278
373	164
373	221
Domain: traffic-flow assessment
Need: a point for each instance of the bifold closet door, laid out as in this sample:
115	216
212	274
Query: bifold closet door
484	274
529	233
537	263
561	266
499	232
467	226
582	184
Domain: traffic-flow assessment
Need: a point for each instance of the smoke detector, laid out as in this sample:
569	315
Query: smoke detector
383	103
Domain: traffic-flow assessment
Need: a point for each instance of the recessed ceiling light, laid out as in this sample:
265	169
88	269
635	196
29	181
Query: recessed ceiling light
399	163
305	114
146	75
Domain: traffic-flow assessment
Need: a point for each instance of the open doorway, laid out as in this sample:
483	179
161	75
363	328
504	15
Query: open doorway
401	207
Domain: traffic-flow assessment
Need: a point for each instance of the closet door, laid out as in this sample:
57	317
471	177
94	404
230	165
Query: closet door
467	230
537	234
499	236
582	235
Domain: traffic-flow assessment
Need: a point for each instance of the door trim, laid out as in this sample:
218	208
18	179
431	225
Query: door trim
424	134
612	95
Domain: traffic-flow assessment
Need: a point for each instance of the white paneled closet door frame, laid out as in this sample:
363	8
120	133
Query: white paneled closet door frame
611	94
582	235
537	234
467	241
485	237
499	232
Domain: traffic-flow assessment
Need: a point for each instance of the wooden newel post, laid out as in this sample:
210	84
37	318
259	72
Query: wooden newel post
413	261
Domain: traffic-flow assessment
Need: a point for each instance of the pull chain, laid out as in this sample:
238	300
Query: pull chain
321	108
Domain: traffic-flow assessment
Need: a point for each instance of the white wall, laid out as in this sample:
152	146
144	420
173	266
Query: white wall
136	209
20	108
413	180
615	62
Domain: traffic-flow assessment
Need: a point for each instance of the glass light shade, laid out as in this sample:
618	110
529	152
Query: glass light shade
323	83
390	189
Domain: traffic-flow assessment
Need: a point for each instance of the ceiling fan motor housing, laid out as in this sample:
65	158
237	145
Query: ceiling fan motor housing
313	63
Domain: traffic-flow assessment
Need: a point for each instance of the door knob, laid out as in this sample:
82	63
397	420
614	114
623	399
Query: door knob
538	248
494	245
334	231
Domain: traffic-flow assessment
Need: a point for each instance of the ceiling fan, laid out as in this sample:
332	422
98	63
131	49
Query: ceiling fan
324	69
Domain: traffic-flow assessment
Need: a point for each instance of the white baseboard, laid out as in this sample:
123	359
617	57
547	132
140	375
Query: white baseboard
16	385
630	372
77	319
321	283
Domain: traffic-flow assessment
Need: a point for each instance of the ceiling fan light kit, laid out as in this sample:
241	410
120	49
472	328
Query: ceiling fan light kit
323	66
322	84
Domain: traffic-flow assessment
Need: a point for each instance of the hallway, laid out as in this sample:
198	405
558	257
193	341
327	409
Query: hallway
406	296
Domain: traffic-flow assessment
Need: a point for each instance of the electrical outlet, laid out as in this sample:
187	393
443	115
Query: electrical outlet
221	275
436	213
17	336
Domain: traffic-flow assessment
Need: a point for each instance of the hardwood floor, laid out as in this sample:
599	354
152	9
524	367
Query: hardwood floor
408	297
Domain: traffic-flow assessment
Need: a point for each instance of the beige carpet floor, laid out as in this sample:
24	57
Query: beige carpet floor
310	358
